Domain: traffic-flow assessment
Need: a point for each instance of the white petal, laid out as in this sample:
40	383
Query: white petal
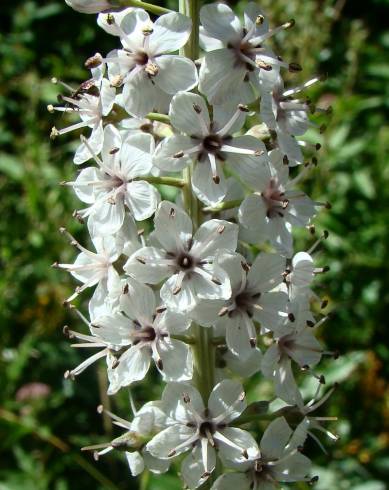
142	199
140	96
112	140
183	116
170	32
232	481
175	73
192	468
237	336
132	24
173	227
107	96
166	441
175	407
220	76
84	191
153	271
295	468
135	462
138	302
206	312
174	322
135	155
154	464
177	360
213	236
95	141
227	396
164	154
252	213
289	147
275	438
273	312
204	186
241	438
185	299
266	272
220	22
133	366
244	368
107	218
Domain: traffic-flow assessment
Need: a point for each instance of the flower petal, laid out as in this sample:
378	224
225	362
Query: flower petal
170	32
175	73
227	399
184	117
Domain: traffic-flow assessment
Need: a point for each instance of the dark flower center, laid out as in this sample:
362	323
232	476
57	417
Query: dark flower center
141	58
212	143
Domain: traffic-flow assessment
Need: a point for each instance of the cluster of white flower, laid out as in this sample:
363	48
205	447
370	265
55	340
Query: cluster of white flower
214	293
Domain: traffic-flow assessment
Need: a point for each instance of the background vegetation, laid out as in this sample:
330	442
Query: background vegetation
45	419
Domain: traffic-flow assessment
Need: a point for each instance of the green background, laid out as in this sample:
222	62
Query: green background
43	425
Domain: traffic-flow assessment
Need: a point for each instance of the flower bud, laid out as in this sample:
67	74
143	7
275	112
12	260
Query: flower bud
90	6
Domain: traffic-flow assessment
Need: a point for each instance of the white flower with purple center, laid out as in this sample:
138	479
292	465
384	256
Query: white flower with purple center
209	144
252	300
275	206
242	66
92	101
203	430
288	117
116	184
148	74
188	262
280	460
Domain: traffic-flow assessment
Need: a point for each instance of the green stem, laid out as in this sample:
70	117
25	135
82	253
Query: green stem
155	116
222	206
172	181
154	9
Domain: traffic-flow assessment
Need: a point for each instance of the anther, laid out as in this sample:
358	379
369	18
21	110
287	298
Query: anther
100	409
328	205
216	281
160	309
216	179
179	154
294	67
110	19
185	398
113	151
160	364
172	214
245	454
176	290
197	108
66	331
243	108
263	66
93	61
126	288
223	311
289	24
310	323
54	133
245	266
171	453
50	108
313	480
324	304
285	160
322	379
259	20
253	343
291	317
220	229
142	260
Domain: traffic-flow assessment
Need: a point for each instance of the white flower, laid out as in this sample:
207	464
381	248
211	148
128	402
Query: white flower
93	268
188	262
301	417
148	75
243	65
92	101
279	461
131	337
252	299
109	21
209	144
116	183
288	117
147	421
303	348
91	6
146	330
274	206
203	431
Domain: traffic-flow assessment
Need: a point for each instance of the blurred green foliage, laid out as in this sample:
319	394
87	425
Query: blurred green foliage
45	419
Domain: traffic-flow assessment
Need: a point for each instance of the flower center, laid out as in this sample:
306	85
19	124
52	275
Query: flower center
275	200
206	429
212	143
185	262
141	58
146	334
